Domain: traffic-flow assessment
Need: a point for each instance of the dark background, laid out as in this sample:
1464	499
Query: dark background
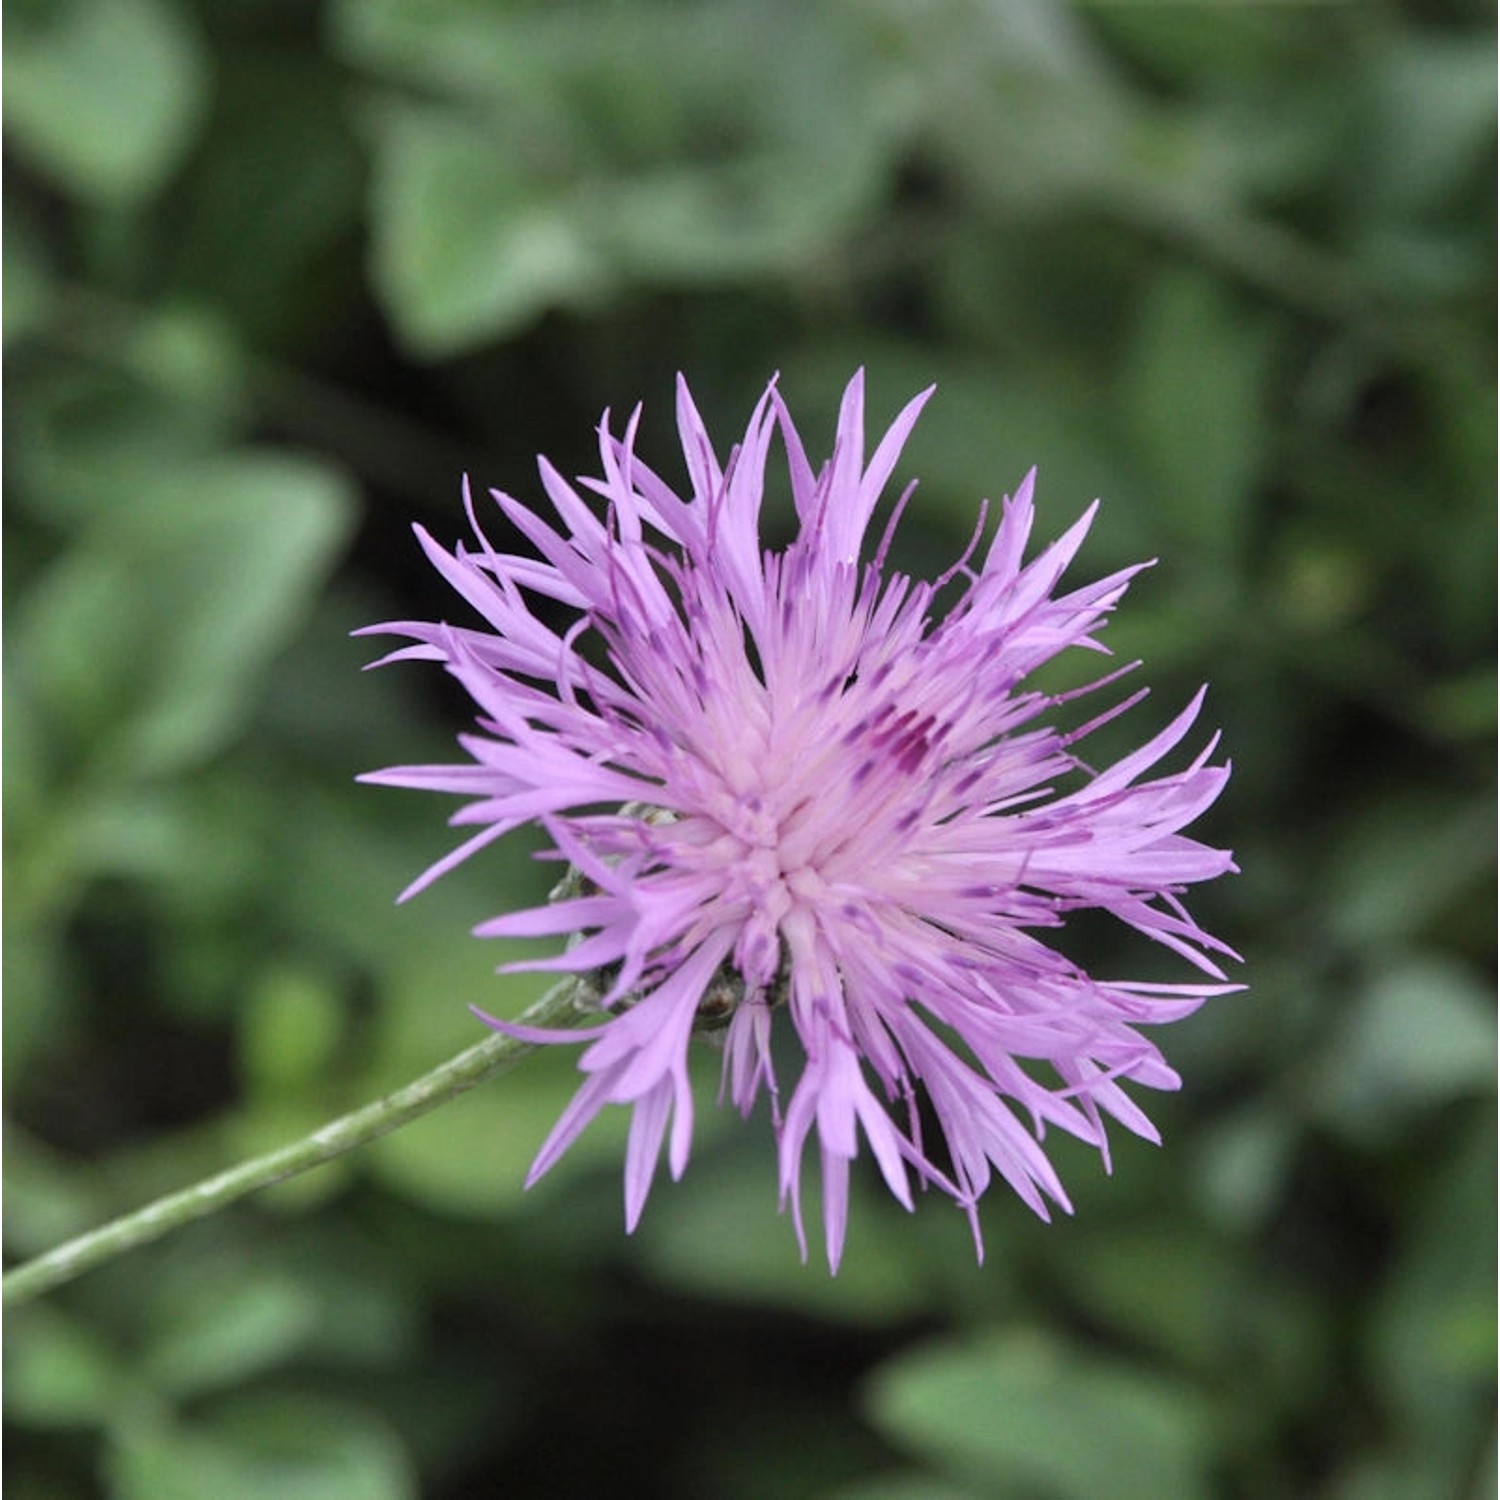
277	275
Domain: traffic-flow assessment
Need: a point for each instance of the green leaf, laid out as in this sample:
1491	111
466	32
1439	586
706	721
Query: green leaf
1194	404
575	159
1243	1165
1178	1293
105	95
736	220
1197	46
265	1447
289	1025
1431	123
466	248
1402	1475
450	46
1485	1481
604	89
145	643
1027	1411
49	1197
1403	860
226	1326
89	433
58	1372
190	356
1032	84
1421	1033
1433	1329
718	1232
1464	707
27	285
40	1004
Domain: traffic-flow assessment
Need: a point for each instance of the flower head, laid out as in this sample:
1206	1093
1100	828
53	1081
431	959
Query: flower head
796	799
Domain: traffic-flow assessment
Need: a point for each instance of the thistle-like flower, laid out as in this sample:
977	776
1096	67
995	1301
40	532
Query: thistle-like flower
796	800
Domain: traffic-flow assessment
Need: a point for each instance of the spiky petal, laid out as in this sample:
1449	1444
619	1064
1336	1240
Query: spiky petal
848	814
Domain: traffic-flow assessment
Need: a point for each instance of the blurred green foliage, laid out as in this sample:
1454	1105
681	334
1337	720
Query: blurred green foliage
276	275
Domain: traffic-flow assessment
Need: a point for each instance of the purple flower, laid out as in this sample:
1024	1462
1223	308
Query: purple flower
795	800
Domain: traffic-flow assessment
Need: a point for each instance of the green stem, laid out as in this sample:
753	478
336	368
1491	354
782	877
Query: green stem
566	1004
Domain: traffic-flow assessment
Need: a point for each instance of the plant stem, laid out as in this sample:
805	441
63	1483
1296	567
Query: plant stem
565	1004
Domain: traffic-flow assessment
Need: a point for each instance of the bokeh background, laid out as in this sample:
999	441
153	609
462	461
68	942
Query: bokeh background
278	274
